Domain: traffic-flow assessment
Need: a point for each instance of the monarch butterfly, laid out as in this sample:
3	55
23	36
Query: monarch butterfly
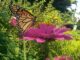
24	18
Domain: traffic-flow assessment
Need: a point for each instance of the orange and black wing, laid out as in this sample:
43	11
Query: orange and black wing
24	18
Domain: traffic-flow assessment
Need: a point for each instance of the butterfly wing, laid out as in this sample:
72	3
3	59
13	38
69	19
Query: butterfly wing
25	21
24	18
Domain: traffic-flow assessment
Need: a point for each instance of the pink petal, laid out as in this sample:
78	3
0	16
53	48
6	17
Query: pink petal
56	58
63	29
60	39
63	58
43	26
47	59
62	36
39	40
28	38
60	30
67	36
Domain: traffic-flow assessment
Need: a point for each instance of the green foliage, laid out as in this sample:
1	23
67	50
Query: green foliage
70	48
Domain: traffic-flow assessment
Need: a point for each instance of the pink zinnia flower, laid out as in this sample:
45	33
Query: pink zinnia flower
61	58
46	33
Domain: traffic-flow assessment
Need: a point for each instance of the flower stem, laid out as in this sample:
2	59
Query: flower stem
44	50
24	50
